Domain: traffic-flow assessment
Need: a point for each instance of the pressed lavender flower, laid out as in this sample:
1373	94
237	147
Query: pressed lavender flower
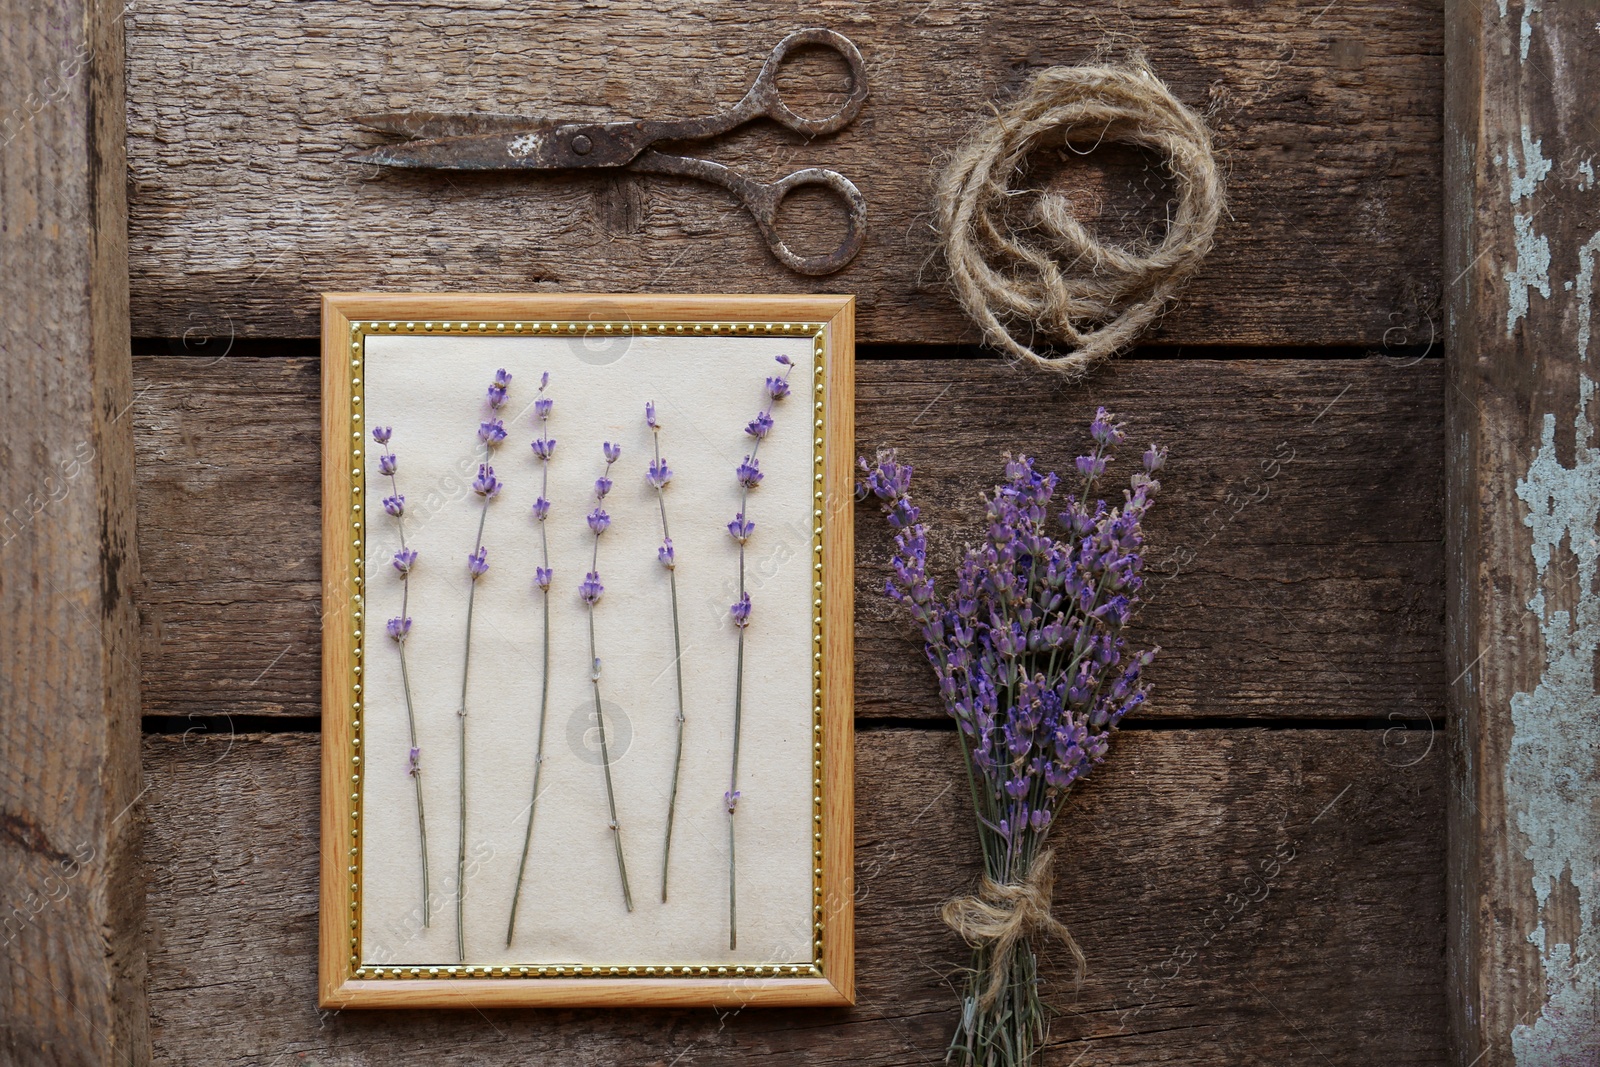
486	484
590	591
490	432
543	448
1030	660
398	627
748	475
414	762
497	388
730	800
1153	459
659	475
759	426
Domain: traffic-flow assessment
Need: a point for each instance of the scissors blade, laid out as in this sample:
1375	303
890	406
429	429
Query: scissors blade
567	145
431	125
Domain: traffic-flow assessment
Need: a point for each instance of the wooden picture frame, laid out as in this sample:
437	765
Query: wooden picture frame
347	979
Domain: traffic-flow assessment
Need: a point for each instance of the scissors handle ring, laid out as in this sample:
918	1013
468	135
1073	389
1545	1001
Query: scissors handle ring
764	97
761	200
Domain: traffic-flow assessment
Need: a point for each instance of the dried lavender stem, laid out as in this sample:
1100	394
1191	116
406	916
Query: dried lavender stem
411	715
677	662
733	786
461	716
605	762
544	707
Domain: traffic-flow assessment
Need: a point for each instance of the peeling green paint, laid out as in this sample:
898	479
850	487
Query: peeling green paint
1555	744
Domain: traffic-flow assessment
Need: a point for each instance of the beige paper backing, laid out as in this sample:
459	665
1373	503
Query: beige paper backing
431	391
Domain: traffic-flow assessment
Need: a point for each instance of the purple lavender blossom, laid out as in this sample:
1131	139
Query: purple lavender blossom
602	487
398	628
778	388
730	800
749	472
387	463
478	563
611	451
544	447
497	389
404	560
650	415
659	474
543	405
591	590
381	434
414	762
541	509
741	528
1030	658
395	505
542	577
740	611
759	426
599	521
486	484
492	432
666	555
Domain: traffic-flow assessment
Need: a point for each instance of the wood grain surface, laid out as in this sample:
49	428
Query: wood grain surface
1296	555
1244	897
71	892
243	207
1523	225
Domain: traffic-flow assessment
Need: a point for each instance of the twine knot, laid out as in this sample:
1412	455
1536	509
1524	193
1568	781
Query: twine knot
1002	914
1044	272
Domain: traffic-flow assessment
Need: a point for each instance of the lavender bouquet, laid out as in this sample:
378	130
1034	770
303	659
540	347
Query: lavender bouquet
1031	663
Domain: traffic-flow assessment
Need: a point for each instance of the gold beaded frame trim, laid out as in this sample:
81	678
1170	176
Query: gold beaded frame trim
827	977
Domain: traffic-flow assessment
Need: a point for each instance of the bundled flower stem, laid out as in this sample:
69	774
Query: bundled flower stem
749	476
486	487
660	476
399	629
543	447
1032	665
591	591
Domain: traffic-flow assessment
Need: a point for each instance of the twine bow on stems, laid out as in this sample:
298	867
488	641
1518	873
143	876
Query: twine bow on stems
1001	915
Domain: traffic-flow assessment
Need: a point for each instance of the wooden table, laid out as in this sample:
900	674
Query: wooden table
1317	844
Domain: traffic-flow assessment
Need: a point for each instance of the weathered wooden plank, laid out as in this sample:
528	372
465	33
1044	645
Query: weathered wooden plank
1297	567
1244	897
71	891
1522	217
243	208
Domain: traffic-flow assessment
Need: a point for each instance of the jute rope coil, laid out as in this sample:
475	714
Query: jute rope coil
1001	914
1049	275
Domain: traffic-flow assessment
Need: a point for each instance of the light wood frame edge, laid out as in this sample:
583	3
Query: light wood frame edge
337	985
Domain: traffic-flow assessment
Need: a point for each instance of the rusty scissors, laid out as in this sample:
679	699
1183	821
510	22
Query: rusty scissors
509	142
